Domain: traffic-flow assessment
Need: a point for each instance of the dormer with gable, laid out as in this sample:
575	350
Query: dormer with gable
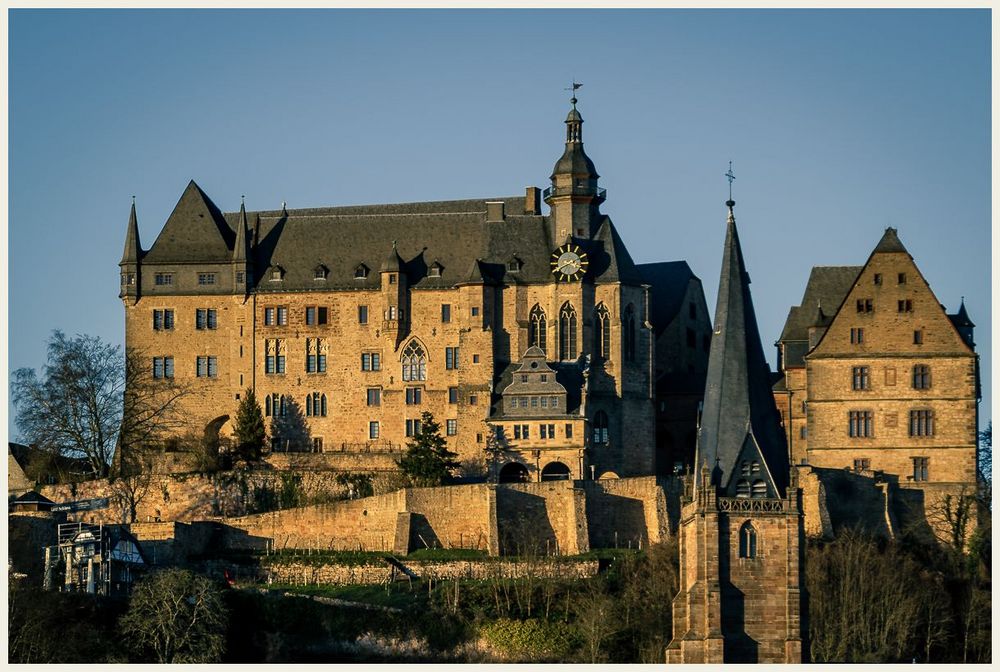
534	391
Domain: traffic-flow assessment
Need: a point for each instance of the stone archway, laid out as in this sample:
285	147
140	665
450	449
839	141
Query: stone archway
513	472
555	471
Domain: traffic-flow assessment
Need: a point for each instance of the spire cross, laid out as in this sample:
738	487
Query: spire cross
730	177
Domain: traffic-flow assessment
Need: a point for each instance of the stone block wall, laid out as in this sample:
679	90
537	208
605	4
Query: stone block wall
629	512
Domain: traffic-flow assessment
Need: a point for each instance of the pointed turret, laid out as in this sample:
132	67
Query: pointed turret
129	264
963	324
574	195
740	440
242	256
395	296
393	262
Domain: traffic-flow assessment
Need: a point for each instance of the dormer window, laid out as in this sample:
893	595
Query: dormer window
514	265
320	272
361	272
435	270
277	274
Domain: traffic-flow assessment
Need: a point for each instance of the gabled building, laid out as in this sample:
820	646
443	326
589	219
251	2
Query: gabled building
740	598
349	322
879	379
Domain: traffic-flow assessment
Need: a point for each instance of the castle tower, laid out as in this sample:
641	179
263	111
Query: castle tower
394	294
574	196
242	257
741	532
130	260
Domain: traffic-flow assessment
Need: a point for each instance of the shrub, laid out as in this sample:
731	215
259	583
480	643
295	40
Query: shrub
532	639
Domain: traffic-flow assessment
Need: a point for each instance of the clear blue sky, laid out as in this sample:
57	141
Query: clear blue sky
838	123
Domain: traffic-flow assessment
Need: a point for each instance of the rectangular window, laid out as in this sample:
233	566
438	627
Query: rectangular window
163	319
554	402
370	361
475	359
860	378
904	306
374	396
862	464
452	395
412	427
206	278
373	429
921	423
317	444
207	367
524	402
315	315
918	337
901	278
878	278
282	315
157	320
545	402
240	277
473	400
452	427
315	357
857	335
205	318
451	358
413	395
446	312
310	315
158	367
274	355
861	424
803	432
534	402
521	432
268	317
569	431
865	305
475	311
362	314
517	431
543	431
921	377
164	278
920	468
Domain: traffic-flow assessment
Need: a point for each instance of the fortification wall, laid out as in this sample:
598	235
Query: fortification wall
542	517
626	512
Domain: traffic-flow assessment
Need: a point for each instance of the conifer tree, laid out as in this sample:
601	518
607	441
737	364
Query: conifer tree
427	461
249	431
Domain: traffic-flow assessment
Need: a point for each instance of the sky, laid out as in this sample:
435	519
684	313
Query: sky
839	123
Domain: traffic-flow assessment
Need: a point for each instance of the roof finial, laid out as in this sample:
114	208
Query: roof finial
243	198
573	88
133	199
730	203
394	244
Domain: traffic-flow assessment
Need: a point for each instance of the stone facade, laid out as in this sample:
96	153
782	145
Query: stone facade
888	386
346	347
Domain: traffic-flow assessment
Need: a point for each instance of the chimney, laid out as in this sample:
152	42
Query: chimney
494	211
532	201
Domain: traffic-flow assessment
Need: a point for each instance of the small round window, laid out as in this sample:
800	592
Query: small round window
534	365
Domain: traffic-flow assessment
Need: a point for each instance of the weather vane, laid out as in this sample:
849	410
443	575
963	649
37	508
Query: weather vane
730	177
573	88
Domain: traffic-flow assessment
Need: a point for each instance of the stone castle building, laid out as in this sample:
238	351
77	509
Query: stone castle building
741	533
349	322
878	379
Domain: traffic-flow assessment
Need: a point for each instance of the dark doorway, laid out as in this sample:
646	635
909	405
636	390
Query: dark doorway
513	472
555	471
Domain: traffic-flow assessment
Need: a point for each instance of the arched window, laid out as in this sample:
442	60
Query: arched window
748	541
282	407
602	332
759	489
629	333
267	405
536	328
567	332
601	427
316	404
414	362
743	489
309	405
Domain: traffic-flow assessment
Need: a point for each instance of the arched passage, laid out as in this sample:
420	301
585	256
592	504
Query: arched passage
513	472
555	471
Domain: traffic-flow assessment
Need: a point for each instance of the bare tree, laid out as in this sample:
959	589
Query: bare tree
91	399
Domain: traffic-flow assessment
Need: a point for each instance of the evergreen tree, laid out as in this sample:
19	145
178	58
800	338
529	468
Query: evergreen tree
428	462
250	432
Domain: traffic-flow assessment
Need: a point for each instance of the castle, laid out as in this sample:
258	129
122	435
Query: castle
349	322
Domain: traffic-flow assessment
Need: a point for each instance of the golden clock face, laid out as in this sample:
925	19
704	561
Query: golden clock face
569	263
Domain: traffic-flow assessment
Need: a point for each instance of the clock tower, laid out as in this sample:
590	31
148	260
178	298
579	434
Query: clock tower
574	197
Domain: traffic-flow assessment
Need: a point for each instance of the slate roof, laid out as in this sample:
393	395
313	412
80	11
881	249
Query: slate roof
961	318
568	374
668	282
890	242
827	287
739	415
133	250
195	231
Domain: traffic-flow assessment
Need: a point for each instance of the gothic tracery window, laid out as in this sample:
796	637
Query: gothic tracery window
414	362
602	332
567	332
536	328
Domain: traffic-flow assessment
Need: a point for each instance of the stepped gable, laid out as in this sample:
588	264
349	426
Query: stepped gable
739	421
196	231
668	281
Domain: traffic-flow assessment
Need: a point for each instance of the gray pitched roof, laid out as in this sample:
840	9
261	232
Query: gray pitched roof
612	252
739	416
961	318
890	242
195	231
826	288
668	282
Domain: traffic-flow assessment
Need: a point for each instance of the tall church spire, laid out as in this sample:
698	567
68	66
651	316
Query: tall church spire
740	421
